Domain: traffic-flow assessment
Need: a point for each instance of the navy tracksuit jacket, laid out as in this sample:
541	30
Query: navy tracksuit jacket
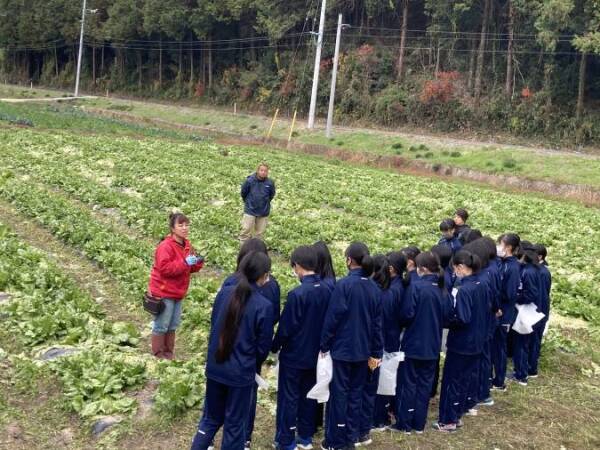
424	312
391	301
298	338
468	331
452	243
272	292
257	195
230	384
529	292
510	272
536	340
352	333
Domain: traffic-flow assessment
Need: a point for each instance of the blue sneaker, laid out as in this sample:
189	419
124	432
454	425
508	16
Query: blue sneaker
304	443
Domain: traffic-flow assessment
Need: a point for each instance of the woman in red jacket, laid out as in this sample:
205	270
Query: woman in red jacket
174	261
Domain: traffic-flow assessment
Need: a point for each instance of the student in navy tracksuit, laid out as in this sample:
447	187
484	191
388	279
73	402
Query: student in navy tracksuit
381	276
492	271
468	330
391	302
272	292
410	253
298	338
546	286
460	219
424	312
479	387
529	292
352	333
324	264
327	273
445	255
511	278
240	338
448	227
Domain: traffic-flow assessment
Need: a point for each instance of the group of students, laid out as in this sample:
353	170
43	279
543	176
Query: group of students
399	302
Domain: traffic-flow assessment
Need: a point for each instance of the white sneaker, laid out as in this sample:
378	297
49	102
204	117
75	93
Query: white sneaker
472	412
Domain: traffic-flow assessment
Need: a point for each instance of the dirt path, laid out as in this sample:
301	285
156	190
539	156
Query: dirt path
45	99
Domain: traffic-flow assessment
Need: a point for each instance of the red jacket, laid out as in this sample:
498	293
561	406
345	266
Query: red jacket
170	276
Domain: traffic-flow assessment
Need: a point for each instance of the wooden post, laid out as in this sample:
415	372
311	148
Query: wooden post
293	124
272	123
234	108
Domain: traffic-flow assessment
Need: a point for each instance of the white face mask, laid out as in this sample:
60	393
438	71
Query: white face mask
500	251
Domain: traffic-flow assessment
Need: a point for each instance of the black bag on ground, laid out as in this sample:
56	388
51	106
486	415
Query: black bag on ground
154	305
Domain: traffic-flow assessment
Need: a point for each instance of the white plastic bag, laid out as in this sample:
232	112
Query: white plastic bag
320	391
388	371
527	317
262	383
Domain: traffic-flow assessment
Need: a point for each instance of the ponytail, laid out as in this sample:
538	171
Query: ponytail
529	253
252	267
467	258
359	253
381	271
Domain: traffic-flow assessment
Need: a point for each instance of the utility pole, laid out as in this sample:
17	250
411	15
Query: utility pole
80	50
336	58
315	85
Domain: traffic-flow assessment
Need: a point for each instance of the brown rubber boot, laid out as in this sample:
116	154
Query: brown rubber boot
158	345
169	345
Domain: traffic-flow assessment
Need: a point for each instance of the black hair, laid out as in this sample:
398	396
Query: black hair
491	246
411	252
431	262
324	262
381	271
480	249
528	253
462	213
500	238
176	218
398	261
512	240
359	253
471	235
467	258
251	245
252	267
447	225
305	256
541	251
444	253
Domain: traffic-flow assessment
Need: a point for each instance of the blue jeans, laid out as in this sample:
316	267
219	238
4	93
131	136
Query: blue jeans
169	319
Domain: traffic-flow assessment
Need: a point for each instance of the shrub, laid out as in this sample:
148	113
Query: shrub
397	145
455	154
509	163
428	155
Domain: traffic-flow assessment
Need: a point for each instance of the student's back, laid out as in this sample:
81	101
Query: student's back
530	288
469	325
270	290
511	278
424	312
252	343
352	328
391	303
546	286
299	331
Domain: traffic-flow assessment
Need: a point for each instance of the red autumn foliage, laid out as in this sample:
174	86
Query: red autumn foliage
526	92
199	89
440	90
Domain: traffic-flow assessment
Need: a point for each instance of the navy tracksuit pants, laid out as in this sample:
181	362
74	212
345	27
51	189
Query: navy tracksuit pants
521	355
485	371
413	393
458	372
295	412
535	346
369	401
227	407
344	408
499	354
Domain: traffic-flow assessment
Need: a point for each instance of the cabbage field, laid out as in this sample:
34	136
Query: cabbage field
108	197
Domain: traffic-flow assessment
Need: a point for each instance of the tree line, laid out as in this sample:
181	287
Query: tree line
526	66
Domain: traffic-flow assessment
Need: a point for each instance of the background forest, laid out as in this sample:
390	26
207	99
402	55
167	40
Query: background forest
527	67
